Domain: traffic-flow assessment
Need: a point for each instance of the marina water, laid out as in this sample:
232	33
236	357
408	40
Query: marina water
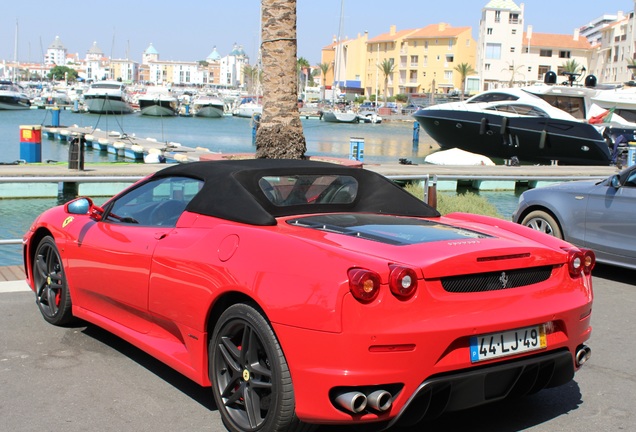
383	143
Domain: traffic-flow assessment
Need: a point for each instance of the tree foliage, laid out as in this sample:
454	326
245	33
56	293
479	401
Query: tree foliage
61	73
387	67
324	68
464	70
571	66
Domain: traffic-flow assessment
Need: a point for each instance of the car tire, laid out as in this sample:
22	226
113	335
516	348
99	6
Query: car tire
540	220
251	382
51	289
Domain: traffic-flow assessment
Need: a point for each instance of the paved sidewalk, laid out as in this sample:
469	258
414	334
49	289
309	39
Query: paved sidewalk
13	286
11	273
12	279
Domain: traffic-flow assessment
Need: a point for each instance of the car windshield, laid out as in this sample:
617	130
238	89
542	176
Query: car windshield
301	189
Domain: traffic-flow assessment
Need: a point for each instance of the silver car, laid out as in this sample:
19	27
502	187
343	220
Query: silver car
599	215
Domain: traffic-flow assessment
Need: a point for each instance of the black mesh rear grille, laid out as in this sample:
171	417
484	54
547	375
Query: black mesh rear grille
473	387
498	280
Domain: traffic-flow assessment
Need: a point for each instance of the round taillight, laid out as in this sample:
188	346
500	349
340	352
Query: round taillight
589	261
364	284
580	261
575	262
402	281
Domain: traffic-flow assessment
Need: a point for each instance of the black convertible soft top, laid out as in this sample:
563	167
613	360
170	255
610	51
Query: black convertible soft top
231	190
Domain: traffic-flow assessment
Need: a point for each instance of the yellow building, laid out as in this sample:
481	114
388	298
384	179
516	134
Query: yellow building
423	60
429	56
346	60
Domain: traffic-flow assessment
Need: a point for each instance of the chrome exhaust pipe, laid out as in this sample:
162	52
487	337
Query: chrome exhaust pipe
583	354
354	401
379	400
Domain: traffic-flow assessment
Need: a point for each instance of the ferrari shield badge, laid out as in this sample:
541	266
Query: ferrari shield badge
67	221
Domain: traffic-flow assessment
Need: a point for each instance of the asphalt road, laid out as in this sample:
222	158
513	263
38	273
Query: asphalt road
83	379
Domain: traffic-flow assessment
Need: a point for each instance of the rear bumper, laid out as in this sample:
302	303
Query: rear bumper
426	363
467	389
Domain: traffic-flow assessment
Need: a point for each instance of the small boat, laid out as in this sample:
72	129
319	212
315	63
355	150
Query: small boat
457	156
208	106
248	107
369	117
107	97
56	97
12	98
158	101
336	116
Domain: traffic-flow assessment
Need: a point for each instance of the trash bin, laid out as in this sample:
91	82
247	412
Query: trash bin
31	143
76	153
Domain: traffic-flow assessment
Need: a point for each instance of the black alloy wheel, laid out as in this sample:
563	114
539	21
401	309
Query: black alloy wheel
51	291
250	379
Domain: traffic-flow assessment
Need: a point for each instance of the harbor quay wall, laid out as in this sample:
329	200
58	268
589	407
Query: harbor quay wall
54	180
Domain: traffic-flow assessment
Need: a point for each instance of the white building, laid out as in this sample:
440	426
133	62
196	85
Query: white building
616	51
543	52
592	30
55	53
500	41
232	67
96	66
507	56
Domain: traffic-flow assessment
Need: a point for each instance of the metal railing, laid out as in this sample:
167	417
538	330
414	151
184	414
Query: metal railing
429	183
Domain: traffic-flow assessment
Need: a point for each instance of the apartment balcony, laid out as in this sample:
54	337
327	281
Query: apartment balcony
412	82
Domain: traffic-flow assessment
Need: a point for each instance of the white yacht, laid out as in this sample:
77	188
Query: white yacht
249	106
208	106
337	116
12	98
107	97
621	100
158	101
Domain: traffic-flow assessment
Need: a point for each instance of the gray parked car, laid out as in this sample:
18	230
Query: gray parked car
599	215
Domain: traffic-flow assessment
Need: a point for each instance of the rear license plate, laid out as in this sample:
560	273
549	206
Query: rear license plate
495	345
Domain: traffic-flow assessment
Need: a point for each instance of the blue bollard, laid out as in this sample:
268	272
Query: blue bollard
416	135
55	117
256	119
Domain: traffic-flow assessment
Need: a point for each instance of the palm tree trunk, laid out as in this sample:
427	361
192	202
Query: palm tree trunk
280	132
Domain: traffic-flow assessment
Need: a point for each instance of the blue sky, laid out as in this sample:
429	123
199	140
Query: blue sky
188	30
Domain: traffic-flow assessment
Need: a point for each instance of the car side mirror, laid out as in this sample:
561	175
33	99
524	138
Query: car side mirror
615	181
84	206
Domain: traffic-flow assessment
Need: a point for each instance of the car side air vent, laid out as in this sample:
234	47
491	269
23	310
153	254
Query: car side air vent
494	281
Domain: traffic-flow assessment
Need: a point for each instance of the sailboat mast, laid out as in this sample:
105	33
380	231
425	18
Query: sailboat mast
336	64
15	52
